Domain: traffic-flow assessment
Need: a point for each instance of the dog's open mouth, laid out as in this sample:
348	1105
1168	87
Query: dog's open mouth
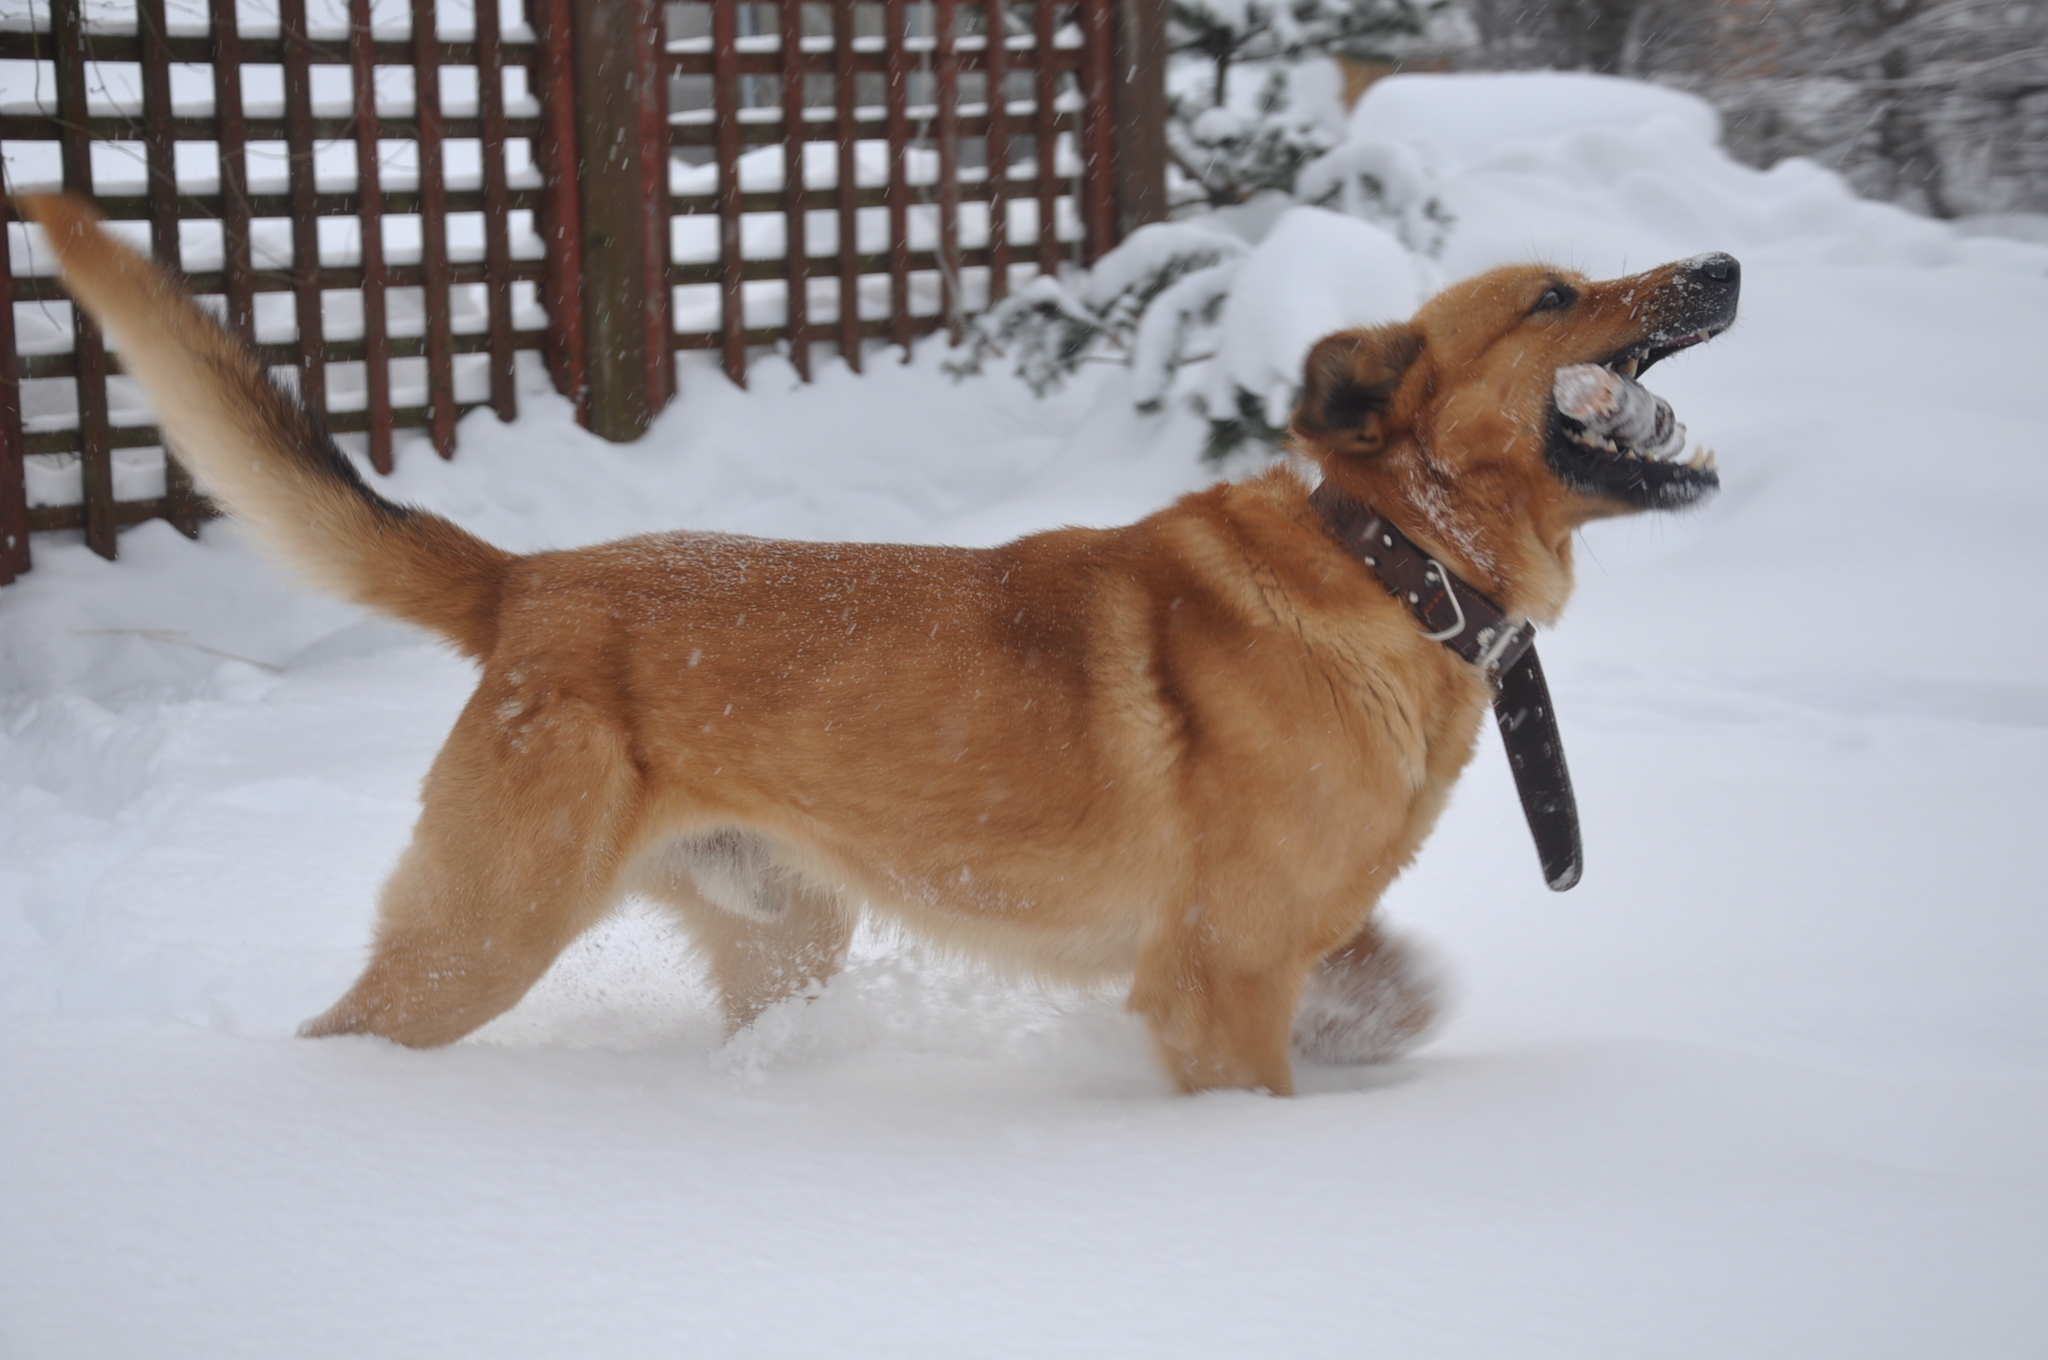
1622	439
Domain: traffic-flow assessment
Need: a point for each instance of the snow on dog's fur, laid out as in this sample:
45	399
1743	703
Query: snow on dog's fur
1190	753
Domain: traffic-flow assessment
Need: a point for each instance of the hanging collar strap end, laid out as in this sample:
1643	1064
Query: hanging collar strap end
1478	630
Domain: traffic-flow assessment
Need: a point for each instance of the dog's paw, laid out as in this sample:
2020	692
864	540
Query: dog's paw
1369	1005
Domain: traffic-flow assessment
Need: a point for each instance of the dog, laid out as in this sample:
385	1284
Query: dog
1188	754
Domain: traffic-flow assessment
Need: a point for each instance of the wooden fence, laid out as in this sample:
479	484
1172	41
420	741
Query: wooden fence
391	203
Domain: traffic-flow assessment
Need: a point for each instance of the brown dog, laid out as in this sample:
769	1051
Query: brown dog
1191	753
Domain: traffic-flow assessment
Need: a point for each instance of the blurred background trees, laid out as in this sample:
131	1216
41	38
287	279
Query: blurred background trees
1237	121
1941	105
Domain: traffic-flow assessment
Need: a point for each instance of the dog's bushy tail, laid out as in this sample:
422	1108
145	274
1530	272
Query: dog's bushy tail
260	456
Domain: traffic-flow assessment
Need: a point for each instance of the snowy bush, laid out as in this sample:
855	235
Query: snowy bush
1232	141
1228	155
1383	182
1227	32
1316	272
1141	304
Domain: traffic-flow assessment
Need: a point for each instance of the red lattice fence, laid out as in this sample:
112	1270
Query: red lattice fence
391	202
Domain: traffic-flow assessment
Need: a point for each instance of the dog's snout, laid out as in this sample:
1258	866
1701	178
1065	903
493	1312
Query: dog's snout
1720	269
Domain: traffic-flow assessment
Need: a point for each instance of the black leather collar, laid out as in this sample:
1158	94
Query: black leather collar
1449	611
1477	629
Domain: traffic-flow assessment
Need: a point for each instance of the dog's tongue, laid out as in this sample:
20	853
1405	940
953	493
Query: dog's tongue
1614	408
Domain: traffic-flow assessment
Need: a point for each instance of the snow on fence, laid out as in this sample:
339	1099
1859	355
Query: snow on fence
390	201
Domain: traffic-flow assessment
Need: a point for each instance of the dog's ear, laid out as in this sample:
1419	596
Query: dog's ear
1347	384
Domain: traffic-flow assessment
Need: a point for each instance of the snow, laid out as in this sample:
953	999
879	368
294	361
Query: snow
1462	117
1772	1082
1278	308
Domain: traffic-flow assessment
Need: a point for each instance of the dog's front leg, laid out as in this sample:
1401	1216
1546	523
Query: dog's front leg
1222	1014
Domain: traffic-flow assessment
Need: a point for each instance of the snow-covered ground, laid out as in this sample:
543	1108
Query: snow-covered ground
1772	1082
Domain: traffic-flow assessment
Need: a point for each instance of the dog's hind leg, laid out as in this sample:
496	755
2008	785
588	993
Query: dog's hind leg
797	935
528	811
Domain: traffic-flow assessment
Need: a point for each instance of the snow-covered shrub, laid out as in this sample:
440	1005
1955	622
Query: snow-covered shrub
1231	140
1383	182
1045	331
1226	32
1231	154
1123	306
1315	272
1181	327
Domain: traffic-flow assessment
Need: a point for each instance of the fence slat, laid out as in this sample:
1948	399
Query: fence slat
562	205
1047	121
795	240
183	506
1098	131
67	27
895	24
24	44
298	122
231	138
370	212
159	149
490	84
433	229
725	101
997	63
846	191
760	63
14	544
951	305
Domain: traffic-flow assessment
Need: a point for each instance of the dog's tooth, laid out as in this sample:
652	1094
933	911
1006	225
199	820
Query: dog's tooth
1627	368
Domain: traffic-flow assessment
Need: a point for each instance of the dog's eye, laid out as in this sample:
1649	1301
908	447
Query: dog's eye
1556	297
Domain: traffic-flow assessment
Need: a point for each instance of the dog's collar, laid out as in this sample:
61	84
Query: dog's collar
1449	611
1477	629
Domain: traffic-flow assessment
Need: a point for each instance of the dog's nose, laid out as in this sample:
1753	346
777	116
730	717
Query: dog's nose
1720	269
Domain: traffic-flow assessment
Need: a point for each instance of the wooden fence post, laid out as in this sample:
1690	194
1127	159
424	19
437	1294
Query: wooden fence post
14	558
1140	99
610	132
561	215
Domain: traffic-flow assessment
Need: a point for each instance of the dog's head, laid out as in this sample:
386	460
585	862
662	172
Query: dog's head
1452	420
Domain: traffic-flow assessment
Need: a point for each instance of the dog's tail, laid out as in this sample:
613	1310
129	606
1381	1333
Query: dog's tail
261	457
